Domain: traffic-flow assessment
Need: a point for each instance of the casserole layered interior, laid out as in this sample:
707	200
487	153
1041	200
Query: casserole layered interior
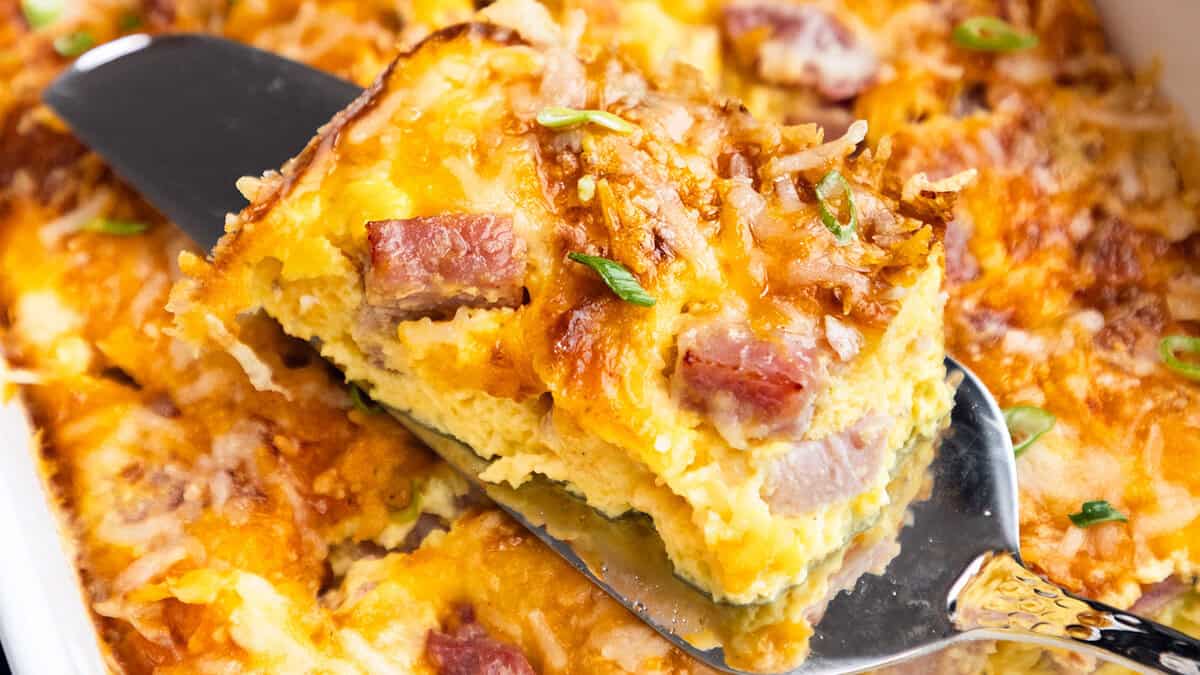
218	527
755	411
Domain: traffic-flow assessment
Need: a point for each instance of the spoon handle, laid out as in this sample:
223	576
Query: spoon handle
1004	600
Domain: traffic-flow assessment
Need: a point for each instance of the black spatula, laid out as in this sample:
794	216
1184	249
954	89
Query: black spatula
182	117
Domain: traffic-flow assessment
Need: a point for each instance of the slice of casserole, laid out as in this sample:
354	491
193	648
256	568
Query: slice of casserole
614	281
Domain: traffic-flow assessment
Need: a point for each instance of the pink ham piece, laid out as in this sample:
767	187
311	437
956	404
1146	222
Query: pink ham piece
821	472
749	388
467	650
1156	597
801	45
961	265
432	265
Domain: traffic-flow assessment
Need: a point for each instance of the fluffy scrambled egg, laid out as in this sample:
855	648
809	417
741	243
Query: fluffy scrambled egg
1071	255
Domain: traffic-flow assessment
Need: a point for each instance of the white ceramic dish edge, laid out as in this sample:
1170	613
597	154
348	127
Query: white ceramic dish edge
44	623
1163	29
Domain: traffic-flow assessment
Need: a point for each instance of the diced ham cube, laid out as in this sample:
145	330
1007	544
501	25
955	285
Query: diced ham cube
802	45
467	650
432	265
748	387
824	471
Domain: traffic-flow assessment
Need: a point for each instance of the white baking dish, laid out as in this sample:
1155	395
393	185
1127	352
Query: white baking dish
43	621
44	624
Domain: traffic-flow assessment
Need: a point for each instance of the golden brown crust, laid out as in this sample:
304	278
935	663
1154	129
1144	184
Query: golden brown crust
327	137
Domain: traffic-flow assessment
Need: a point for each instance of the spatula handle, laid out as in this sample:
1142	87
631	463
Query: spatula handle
1006	601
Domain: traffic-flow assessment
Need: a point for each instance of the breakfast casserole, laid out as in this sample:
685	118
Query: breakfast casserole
240	507
446	241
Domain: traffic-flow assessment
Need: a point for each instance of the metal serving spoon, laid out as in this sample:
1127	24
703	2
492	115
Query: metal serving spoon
182	117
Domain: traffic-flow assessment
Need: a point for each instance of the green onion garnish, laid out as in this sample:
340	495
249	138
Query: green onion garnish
410	512
120	228
361	401
129	21
40	13
618	278
1170	346
74	44
556	117
991	34
1026	424
1096	512
830	186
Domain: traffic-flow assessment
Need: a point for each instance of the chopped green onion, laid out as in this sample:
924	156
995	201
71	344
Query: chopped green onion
827	189
556	117
120	228
361	401
586	188
991	34
1026	424
129	21
1096	512
1170	346
410	512
74	44
618	278
40	13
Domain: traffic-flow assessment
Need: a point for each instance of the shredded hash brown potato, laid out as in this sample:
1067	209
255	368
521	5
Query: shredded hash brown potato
221	528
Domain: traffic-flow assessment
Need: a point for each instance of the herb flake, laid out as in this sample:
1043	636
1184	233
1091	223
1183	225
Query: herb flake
557	117
113	226
362	402
992	34
413	509
1096	512
41	13
74	44
1169	349
617	277
129	21
833	185
1026	424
